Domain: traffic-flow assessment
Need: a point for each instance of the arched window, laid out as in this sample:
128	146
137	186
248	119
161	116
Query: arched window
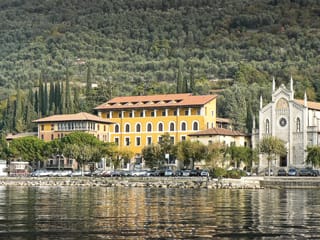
171	127
267	126
160	127
116	128
127	127
149	127
183	126
195	126
138	127
298	125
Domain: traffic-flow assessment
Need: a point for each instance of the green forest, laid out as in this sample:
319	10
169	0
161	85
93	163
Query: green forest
53	51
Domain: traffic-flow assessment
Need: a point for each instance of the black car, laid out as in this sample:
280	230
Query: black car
305	172
282	172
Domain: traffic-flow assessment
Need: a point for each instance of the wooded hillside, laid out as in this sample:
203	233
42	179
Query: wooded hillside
144	46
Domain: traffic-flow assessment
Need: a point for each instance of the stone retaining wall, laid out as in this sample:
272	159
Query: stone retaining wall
154	182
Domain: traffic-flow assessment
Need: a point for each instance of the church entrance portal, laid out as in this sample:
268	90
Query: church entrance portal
283	161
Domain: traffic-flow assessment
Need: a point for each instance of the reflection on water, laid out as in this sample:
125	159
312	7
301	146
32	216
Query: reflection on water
148	213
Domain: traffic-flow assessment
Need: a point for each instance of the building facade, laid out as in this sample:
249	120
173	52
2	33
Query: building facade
57	126
142	120
224	136
296	122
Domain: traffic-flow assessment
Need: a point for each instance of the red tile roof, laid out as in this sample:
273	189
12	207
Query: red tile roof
218	131
166	100
82	116
311	105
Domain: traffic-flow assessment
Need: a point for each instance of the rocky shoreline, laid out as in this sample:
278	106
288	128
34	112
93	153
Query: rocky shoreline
146	182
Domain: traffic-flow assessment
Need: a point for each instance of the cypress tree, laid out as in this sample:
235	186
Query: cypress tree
18	123
192	82
62	100
57	97
51	96
40	97
89	81
36	103
8	116
45	99
68	92
76	99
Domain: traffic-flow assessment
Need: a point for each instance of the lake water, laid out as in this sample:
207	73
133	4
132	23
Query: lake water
28	213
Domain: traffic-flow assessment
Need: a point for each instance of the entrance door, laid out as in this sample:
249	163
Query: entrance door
283	161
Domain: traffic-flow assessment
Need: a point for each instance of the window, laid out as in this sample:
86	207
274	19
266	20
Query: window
175	113
117	128
138	127
159	139
138	141
186	112
108	115
149	140
164	113
172	139
131	114
209	142
52	127
183	126
52	137
42	127
160	127
149	127
116	141
42	136
153	114
127	127
298	125
142	114
195	126
127	141
212	113
171	127
267	126
183	138
104	128
120	114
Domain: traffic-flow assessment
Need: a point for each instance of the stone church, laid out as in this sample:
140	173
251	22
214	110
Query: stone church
296	122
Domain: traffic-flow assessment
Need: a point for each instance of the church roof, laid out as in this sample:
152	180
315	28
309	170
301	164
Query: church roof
311	105
82	116
164	100
217	131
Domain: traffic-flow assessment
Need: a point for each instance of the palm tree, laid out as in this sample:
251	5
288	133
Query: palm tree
313	156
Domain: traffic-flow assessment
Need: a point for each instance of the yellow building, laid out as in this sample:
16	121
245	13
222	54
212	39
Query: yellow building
142	120
57	126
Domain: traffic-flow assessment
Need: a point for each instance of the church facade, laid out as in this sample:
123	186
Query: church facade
296	122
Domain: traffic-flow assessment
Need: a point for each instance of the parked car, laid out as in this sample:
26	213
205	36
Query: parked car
204	173
304	172
292	172
282	172
186	173
178	173
139	173
153	173
268	173
168	173
314	172
194	173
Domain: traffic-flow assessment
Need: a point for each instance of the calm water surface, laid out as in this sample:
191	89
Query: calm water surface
148	213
